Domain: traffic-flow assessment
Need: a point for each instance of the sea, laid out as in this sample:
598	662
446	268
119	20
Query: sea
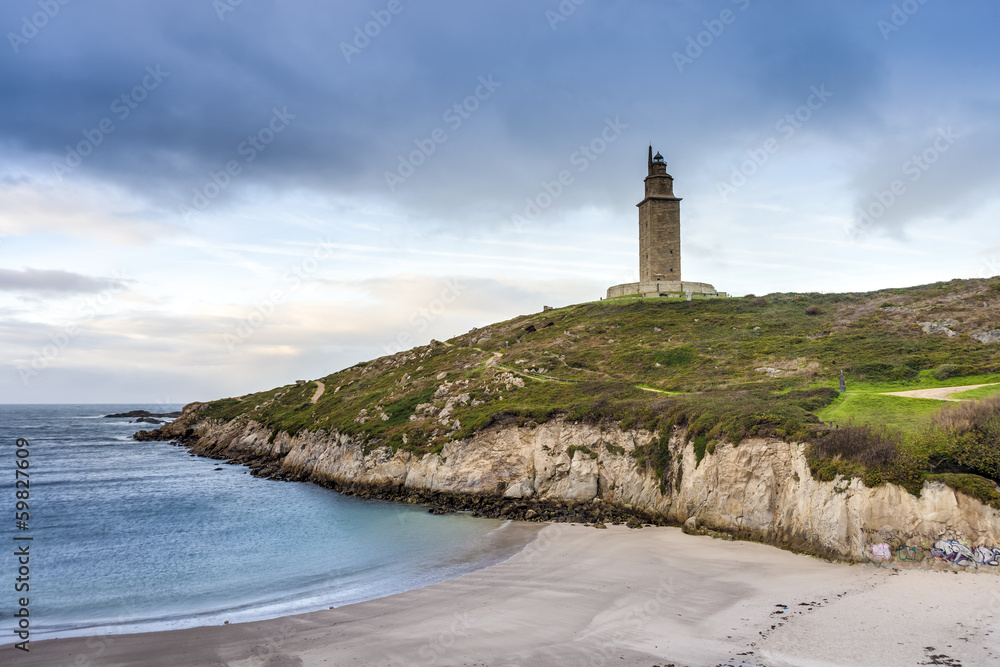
130	536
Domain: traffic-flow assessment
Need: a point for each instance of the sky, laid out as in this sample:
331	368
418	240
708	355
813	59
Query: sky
203	198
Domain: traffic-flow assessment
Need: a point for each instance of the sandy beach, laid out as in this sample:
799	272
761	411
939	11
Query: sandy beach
580	596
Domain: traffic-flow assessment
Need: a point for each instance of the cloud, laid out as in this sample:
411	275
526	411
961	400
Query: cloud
354	120
98	210
946	172
234	348
48	281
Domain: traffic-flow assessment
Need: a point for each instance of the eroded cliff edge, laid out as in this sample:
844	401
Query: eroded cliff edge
761	489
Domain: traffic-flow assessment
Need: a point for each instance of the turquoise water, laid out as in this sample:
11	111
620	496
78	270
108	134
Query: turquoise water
131	536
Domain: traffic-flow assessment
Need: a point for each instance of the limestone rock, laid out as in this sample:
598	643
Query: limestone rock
988	337
940	327
761	489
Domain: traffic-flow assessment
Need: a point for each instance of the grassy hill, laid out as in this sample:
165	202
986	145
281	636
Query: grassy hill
725	369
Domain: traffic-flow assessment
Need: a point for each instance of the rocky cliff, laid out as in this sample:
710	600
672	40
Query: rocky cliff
760	490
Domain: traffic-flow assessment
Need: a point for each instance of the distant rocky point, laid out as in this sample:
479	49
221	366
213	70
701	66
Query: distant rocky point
143	415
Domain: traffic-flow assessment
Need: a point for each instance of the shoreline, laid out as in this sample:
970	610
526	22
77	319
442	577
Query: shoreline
506	540
576	595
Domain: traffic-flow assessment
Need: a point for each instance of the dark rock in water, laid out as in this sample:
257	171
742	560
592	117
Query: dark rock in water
148	420
142	413
217	468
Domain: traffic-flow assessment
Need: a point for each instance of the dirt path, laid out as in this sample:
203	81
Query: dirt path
941	393
320	388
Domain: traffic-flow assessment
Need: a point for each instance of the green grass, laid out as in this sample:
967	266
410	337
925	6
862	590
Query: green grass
906	414
982	392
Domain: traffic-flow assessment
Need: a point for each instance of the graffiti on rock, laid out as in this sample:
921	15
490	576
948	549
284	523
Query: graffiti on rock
962	555
882	551
955	552
910	554
988	556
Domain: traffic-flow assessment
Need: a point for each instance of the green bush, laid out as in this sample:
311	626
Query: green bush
967	439
678	356
876	454
700	444
573	449
945	371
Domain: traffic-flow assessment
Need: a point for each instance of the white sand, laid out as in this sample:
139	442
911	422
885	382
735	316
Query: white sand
580	596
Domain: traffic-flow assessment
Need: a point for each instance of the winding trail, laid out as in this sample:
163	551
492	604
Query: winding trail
940	393
320	388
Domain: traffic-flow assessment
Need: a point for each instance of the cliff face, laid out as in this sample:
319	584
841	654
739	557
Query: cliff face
761	489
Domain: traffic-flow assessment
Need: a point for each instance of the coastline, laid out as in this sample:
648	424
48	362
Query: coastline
576	595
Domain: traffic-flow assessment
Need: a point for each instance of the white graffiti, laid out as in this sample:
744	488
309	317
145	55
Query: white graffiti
881	551
959	554
987	556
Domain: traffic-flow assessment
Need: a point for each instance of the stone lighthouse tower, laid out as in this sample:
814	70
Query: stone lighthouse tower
660	242
659	226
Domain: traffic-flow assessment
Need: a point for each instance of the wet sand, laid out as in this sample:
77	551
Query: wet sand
580	596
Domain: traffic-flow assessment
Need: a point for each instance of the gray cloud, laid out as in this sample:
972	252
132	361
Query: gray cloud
353	120
49	281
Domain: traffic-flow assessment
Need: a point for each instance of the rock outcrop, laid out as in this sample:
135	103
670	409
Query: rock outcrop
761	489
988	337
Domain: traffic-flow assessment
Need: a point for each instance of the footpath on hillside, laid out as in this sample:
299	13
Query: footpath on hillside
939	393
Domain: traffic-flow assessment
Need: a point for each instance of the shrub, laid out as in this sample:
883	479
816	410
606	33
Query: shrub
871	446
760	302
678	356
967	415
814	310
700	445
968	440
573	449
945	371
